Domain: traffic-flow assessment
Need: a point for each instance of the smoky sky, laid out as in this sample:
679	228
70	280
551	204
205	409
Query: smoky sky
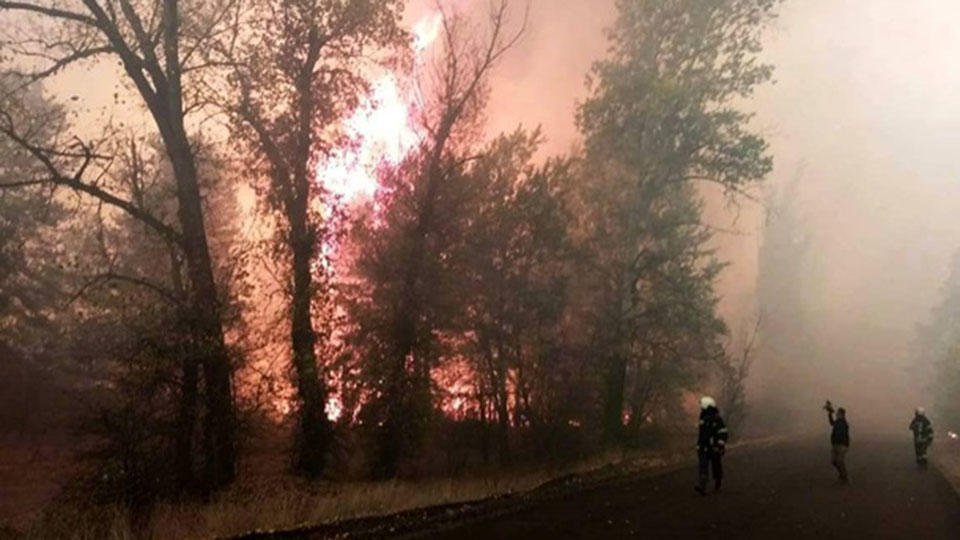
867	98
865	107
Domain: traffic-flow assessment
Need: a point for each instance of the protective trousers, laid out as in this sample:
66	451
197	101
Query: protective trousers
838	456
920	446
710	461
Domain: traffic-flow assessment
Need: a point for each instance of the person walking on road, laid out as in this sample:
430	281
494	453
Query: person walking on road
922	435
711	444
839	440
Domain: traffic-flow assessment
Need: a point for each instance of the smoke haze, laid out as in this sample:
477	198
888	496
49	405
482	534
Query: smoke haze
865	111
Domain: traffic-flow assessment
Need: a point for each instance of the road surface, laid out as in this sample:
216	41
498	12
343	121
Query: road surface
784	491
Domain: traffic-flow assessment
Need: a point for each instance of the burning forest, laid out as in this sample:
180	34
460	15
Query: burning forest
320	249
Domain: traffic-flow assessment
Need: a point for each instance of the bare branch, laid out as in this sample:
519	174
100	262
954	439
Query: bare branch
24	183
62	63
159	289
49	11
75	181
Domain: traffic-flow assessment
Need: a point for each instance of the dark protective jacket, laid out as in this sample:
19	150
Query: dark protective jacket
922	429
841	431
712	438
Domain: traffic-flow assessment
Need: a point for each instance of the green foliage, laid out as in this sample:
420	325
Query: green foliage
664	102
662	115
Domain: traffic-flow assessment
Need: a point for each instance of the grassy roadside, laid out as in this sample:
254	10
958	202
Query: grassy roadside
627	468
283	503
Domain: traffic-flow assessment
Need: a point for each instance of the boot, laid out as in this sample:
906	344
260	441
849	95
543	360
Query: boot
701	487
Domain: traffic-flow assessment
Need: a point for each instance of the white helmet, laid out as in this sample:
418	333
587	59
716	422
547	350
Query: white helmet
706	402
920	411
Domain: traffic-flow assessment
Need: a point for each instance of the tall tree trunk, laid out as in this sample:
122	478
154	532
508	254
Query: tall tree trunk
315	428
615	367
219	420
503	406
186	422
398	434
614	388
484	428
395	438
189	388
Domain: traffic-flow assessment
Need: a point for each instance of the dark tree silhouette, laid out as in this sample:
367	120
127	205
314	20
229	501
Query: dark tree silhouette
158	53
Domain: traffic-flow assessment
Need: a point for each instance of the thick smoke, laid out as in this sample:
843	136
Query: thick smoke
863	119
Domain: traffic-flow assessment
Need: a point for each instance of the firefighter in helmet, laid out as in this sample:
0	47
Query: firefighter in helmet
711	443
922	435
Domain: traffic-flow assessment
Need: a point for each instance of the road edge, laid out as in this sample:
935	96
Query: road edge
437	517
946	459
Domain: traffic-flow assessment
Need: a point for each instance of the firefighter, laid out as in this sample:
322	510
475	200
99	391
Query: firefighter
839	440
922	435
711	443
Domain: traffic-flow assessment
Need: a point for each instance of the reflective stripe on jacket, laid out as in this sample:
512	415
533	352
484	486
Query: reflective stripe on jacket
713	432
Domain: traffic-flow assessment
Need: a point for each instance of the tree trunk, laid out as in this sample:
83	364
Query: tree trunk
503	406
189	388
484	428
315	429
219	420
394	438
186	422
615	386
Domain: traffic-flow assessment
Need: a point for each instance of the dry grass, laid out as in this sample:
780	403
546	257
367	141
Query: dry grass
271	502
265	504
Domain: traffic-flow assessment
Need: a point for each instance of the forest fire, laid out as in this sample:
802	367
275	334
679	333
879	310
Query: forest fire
384	128
268	265
382	131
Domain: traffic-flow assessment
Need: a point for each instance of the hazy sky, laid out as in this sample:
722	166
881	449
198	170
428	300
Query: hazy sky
867	96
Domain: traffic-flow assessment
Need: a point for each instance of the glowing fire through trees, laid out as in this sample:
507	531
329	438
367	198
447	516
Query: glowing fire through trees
382	128
383	131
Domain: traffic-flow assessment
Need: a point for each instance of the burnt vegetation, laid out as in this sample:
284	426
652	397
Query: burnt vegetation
487	307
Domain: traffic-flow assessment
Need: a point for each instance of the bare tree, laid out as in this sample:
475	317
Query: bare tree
734	370
156	43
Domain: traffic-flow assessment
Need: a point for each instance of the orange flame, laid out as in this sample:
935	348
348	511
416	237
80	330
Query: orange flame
382	125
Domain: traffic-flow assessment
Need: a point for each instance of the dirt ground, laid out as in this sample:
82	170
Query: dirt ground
784	491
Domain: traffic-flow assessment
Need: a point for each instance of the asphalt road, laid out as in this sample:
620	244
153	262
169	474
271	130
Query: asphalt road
787	490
